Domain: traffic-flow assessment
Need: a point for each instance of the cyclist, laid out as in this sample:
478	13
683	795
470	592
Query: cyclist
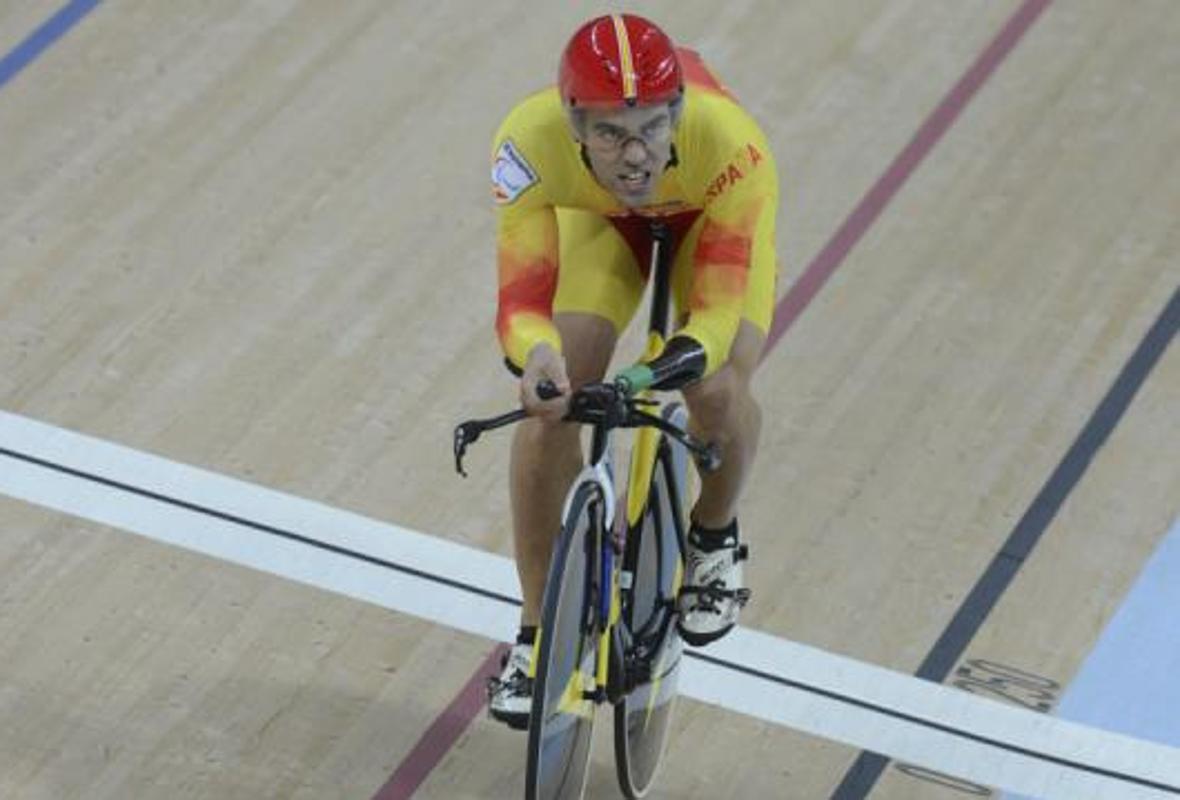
636	129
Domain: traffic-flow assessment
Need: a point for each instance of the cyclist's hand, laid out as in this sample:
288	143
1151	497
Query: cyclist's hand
544	364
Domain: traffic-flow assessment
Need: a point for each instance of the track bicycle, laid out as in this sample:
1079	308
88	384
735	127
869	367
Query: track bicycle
608	629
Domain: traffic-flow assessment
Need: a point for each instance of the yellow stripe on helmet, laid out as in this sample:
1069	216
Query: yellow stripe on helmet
626	63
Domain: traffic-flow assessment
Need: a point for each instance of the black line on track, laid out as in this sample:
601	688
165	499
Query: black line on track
740	668
262	527
933	725
975	608
946	652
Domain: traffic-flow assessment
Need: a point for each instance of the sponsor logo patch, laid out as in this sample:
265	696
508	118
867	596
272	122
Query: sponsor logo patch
512	175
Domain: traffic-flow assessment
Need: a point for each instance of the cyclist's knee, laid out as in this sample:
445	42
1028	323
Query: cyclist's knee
541	446
711	402
549	434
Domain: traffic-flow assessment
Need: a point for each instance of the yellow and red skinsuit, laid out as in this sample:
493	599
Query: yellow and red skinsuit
725	181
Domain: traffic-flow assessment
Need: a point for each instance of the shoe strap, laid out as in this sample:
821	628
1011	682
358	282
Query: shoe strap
697	540
742	596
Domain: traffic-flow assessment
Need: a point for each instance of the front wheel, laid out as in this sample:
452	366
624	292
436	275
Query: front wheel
654	650
562	716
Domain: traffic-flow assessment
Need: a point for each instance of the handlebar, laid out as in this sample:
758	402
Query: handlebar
606	405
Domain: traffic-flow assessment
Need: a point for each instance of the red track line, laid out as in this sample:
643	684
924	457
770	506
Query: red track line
439	738
871	205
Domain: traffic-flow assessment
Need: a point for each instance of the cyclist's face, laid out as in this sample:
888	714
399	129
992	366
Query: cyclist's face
628	148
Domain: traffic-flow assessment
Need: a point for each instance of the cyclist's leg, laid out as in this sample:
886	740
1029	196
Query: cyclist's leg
723	410
599	287
545	458
722	407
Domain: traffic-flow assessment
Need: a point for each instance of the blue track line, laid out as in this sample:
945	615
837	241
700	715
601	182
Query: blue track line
41	39
1128	682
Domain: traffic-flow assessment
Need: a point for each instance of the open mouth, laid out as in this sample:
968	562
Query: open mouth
635	181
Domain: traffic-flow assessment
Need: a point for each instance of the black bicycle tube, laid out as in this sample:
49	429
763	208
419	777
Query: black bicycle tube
661	245
603	564
634	537
665	456
630	559
598	443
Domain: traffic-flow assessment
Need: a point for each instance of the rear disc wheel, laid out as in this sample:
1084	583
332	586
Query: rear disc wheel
643	718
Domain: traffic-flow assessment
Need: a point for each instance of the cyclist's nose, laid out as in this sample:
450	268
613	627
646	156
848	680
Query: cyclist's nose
634	152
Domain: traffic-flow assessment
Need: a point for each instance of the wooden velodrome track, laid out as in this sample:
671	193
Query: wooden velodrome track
256	238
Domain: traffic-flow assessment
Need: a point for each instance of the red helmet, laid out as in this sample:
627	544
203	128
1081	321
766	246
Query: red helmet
619	60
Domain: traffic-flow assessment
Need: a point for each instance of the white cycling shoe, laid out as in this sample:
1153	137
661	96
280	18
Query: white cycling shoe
713	593
510	696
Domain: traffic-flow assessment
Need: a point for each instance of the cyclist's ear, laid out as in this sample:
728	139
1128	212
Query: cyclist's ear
576	117
675	107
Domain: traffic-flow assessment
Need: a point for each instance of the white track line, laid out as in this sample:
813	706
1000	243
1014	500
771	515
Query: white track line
766	677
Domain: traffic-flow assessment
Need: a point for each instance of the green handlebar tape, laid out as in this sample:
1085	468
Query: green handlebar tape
635	379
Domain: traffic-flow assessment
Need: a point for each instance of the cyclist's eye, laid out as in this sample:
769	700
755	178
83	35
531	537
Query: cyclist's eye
656	128
609	135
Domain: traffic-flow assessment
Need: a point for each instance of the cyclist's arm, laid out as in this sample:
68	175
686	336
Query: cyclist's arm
523	173
527	268
722	261
733	167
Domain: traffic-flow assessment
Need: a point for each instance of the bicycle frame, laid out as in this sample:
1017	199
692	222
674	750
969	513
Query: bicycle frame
643	453
634	655
644	461
644	457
